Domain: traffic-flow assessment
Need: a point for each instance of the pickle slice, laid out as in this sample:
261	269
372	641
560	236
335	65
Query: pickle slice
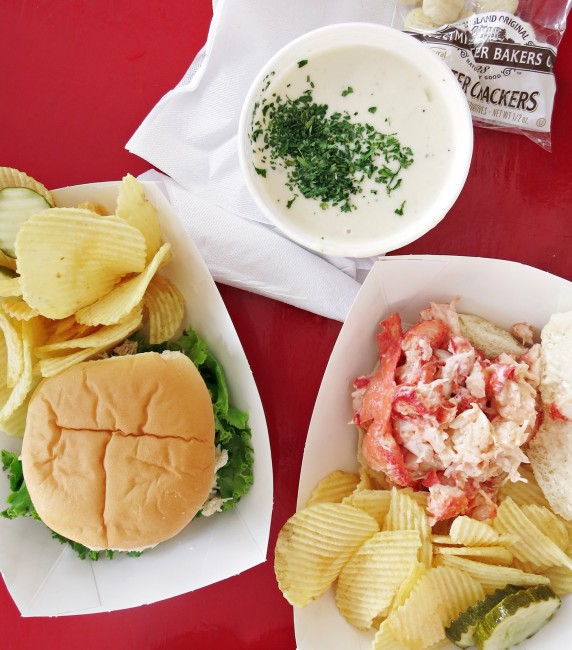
516	618
11	177
17	204
462	630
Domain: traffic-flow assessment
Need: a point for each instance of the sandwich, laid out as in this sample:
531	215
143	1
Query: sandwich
119	454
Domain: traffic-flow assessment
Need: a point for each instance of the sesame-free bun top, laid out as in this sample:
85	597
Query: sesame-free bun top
119	453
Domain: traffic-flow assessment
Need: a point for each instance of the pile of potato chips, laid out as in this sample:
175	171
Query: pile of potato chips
84	281
395	575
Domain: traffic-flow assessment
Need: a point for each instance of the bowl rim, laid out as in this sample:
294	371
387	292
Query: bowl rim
462	134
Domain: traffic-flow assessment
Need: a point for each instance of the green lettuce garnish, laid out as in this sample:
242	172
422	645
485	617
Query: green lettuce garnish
231	433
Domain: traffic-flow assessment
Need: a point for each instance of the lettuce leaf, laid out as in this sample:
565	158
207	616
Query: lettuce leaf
231	433
19	502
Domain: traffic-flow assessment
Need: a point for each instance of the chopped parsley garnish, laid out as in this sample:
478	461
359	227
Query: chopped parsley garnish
372	109
399	210
302	63
348	91
260	171
326	155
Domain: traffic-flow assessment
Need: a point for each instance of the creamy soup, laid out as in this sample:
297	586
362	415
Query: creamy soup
402	130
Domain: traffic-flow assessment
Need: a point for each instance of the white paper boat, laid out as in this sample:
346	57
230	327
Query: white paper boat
47	579
503	292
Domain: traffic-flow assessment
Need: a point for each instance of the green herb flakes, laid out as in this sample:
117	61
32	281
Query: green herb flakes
348	91
326	155
302	63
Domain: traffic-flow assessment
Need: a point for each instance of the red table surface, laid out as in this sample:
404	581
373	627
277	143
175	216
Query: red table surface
78	77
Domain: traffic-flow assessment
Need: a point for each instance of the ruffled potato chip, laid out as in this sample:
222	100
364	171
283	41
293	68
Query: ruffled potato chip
491	554
106	335
369	581
406	514
137	210
14	349
117	303
417	623
54	365
23	386
532	545
69	258
314	545
492	576
374	502
93	207
334	488
10	287
18	309
457	591
165	308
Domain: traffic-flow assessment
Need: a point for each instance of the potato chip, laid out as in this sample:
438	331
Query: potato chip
532	545
385	639
93	207
406	514
313	546
70	258
68	328
10	287
54	365
374	502
106	336
137	210
408	584
491	576
14	348
492	554
419	496
456	589
549	523
443	539
560	579
470	532
334	487
165	307
25	380
18	309
369	581
365	480
417	623
15	424
115	305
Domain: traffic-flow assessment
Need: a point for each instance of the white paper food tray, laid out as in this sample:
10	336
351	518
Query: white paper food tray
501	291
48	579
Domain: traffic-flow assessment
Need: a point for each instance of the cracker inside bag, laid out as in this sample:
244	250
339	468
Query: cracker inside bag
502	52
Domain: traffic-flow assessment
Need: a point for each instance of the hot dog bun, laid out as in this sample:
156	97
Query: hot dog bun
550	451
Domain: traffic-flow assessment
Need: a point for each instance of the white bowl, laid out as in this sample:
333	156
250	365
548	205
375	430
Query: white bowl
415	96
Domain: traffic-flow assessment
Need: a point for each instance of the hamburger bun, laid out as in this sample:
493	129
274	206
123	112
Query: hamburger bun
119	453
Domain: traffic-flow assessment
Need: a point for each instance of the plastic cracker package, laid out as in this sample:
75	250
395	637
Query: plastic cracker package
502	53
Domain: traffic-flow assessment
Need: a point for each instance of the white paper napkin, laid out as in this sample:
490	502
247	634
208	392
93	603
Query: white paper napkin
191	136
